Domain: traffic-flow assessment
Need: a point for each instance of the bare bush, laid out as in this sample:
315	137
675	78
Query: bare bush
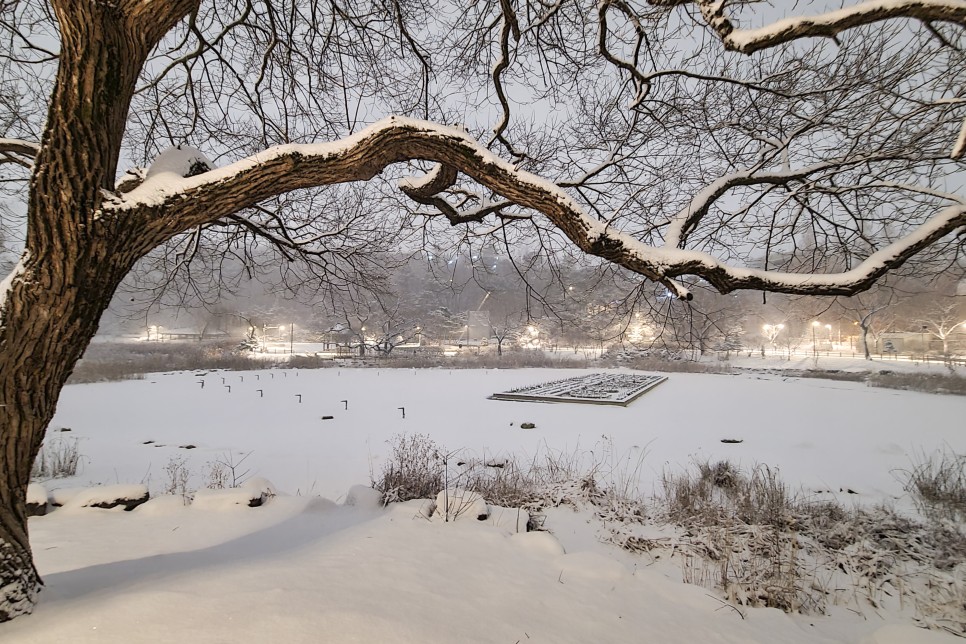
178	477
58	458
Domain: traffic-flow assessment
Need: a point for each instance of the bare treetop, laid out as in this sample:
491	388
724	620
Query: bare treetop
624	131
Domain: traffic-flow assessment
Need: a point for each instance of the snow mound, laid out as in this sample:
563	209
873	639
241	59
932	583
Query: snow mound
62	496
107	497
36	494
162	505
413	509
460	504
364	497
251	494
36	500
260	484
181	161
904	634
538	543
592	565
510	519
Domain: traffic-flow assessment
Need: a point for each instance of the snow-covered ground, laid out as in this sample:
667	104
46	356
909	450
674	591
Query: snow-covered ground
308	567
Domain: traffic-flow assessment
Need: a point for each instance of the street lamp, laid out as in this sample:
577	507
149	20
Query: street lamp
814	342
291	339
828	327
922	339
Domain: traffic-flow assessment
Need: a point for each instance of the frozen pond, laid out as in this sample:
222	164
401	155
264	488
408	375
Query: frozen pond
823	435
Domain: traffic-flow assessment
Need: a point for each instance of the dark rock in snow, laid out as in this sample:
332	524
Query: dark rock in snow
128	504
36	509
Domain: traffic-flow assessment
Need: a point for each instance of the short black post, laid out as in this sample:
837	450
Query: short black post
403	410
299	396
228	387
345	402
261	394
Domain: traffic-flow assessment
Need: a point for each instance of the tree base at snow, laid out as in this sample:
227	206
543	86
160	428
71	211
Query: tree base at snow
21	582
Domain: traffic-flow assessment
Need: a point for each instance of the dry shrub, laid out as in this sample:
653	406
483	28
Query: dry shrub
415	469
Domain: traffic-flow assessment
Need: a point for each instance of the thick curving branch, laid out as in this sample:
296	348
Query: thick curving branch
169	205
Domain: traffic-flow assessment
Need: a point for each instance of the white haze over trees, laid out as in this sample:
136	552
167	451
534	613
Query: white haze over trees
340	132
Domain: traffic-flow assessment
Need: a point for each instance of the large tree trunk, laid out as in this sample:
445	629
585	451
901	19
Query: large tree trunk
74	260
49	319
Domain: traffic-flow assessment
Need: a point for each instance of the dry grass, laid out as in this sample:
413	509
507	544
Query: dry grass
58	457
937	484
108	362
933	383
418	468
763	546
744	533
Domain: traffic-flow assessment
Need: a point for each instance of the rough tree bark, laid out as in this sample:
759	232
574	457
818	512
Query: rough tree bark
73	261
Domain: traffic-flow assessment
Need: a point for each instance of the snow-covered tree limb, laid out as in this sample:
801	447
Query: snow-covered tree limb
171	206
829	24
19	152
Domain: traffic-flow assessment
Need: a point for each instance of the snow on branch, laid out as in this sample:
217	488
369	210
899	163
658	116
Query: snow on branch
169	204
18	151
828	24
959	149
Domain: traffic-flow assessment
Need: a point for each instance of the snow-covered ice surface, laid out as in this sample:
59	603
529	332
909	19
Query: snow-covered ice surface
310	569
